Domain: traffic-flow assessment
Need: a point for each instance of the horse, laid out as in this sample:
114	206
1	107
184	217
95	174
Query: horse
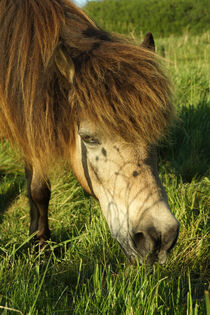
70	91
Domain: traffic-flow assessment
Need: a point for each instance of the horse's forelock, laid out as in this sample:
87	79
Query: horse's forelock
115	82
124	87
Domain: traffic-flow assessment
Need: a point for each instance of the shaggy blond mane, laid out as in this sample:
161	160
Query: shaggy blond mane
113	81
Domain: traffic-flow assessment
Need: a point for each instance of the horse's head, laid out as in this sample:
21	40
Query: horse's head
124	178
122	101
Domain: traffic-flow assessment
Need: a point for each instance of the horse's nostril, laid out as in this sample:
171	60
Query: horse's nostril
142	243
139	240
148	241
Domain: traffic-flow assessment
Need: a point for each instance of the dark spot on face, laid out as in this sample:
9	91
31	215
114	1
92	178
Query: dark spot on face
103	151
116	148
135	173
139	165
97	158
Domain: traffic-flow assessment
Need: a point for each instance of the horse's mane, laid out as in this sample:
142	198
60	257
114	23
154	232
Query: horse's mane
114	81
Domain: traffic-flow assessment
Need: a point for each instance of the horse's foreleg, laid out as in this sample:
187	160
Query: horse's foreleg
39	196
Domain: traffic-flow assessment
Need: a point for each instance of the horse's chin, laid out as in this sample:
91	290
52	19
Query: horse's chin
135	258
150	259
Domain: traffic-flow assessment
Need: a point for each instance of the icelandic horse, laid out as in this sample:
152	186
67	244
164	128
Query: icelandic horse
71	91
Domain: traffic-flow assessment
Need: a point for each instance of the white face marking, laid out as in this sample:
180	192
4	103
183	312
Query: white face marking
125	180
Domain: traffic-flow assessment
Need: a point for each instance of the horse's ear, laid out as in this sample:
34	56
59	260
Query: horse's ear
65	65
149	42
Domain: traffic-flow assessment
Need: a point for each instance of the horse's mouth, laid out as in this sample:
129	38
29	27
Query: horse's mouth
149	260
152	258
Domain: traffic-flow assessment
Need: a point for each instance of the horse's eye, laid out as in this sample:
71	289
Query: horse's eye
90	139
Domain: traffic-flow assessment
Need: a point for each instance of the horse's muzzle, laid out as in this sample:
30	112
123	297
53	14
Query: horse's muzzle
151	245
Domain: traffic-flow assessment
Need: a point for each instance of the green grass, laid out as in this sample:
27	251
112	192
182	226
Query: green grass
84	271
161	17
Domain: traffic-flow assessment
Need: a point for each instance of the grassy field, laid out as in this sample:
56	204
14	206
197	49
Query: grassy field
84	271
161	17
